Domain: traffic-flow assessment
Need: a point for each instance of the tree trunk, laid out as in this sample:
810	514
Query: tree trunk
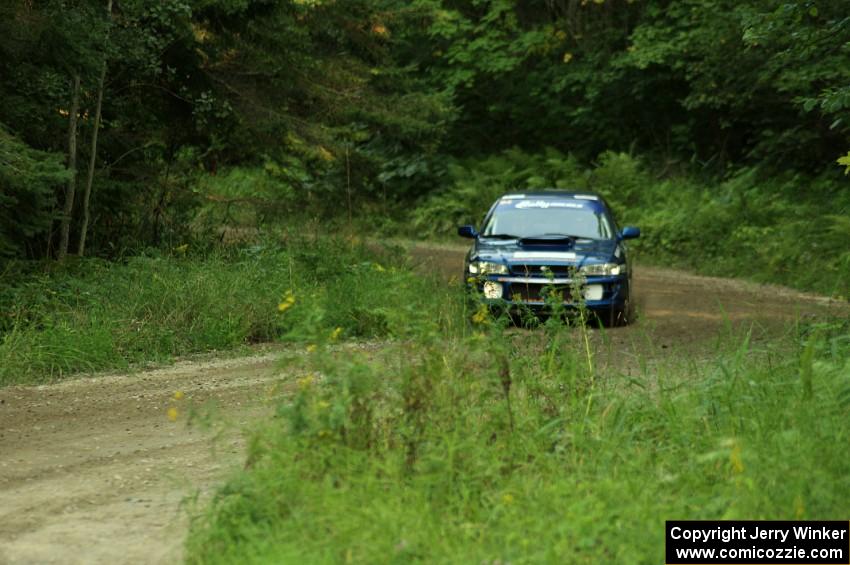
81	248
65	226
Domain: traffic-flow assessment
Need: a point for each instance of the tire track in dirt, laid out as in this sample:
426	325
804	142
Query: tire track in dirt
93	471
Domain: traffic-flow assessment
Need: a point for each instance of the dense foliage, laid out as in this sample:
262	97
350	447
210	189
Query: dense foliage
219	112
306	92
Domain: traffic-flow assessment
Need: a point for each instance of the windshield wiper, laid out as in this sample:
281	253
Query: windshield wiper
501	236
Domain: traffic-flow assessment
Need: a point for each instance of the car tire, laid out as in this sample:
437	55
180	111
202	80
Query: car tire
619	317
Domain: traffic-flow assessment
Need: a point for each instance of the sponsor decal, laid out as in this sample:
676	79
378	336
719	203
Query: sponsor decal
543	255
547	204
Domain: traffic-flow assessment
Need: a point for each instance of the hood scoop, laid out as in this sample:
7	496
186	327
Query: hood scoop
553	240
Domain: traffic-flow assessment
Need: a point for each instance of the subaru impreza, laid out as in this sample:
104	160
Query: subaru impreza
536	249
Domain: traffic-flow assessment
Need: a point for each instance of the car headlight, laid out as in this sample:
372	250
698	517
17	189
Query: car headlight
603	269
487	268
493	290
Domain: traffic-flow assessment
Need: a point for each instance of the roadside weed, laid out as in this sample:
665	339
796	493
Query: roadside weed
502	445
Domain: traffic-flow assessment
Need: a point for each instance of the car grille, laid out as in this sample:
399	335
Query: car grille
543	270
535	292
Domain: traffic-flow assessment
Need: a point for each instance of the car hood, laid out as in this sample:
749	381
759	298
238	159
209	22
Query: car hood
556	252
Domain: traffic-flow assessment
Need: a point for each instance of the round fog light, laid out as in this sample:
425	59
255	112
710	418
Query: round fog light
492	289
593	292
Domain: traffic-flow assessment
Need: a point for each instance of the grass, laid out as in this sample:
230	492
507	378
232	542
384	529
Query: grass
93	315
476	445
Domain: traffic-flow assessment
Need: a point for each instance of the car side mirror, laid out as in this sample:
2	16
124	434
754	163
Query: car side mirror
467	231
630	232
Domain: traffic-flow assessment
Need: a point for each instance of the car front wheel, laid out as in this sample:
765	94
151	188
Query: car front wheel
622	316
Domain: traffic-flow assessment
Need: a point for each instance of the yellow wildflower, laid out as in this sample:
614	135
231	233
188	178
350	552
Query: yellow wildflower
178	395
480	315
735	459
335	334
172	414
287	302
305	382
568	57
311	348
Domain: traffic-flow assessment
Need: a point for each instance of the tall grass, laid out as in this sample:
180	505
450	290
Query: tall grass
496	447
94	315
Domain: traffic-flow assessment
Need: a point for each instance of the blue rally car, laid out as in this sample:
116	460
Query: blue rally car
536	242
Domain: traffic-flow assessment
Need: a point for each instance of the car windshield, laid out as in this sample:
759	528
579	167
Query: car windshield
529	218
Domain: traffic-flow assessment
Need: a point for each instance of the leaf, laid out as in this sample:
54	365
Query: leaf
845	161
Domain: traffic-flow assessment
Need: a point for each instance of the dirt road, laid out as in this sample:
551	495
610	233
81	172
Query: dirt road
93	470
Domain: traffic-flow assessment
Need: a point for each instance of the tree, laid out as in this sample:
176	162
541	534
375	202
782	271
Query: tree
81	249
70	190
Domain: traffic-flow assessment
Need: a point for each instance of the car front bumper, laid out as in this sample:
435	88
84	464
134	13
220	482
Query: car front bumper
598	293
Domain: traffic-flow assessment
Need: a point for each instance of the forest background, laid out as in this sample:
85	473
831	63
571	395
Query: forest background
131	125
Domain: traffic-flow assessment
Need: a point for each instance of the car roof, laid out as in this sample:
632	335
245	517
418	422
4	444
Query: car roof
555	193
